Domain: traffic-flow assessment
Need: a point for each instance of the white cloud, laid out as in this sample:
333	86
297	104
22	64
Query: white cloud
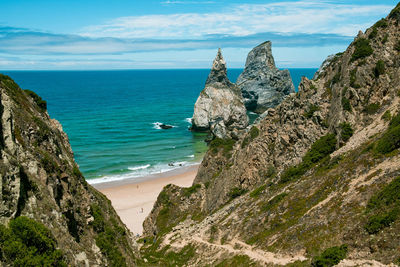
246	19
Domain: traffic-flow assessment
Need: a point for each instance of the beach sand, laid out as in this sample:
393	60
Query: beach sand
134	200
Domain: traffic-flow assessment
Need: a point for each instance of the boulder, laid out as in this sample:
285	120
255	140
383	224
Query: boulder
263	86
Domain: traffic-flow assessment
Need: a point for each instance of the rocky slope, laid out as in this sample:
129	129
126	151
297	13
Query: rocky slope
315	181
219	107
41	181
263	85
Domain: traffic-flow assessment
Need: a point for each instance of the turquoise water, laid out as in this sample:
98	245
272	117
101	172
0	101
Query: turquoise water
110	117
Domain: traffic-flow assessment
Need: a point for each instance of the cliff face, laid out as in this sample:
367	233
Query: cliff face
41	181
263	86
314	180
219	107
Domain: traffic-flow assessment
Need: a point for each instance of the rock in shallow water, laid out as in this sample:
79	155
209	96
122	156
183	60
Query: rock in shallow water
220	107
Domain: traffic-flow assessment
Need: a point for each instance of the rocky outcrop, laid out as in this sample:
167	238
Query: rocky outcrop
263	86
318	171
39	179
219	108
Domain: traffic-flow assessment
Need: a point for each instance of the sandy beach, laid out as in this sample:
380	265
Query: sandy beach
133	200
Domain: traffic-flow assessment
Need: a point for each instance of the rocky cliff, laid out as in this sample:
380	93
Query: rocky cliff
219	108
49	215
263	85
316	181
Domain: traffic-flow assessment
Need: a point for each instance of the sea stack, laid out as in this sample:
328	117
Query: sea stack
263	85
219	108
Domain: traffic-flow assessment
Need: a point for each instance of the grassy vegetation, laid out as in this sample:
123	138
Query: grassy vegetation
372	108
257	192
383	208
397	46
391	138
273	202
319	150
109	236
42	104
236	192
379	68
330	257
353	79
310	111
346	104
380	24
166	258
386	116
362	49
28	243
225	144
187	192
395	13
346	131
253	133
238	260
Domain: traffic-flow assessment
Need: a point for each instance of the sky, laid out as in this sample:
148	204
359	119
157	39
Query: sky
168	34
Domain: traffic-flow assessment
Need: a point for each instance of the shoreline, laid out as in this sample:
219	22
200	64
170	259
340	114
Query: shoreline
133	199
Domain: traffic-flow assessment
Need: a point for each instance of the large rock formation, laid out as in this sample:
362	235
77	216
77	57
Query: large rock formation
219	107
263	86
39	179
315	181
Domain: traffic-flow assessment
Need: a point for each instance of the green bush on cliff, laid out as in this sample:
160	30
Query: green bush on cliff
225	144
379	68
28	243
108	236
346	131
383	207
362	49
311	110
253	133
42	104
236	192
391	138
330	257
319	150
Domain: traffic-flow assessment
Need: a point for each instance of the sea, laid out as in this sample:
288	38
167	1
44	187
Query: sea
113	117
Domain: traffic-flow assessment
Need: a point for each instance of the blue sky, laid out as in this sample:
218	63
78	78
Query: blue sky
131	34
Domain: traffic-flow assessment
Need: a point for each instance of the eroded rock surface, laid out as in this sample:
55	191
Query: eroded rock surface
263	85
219	107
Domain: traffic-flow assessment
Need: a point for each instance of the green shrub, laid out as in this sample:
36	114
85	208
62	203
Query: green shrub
386	116
254	132
389	141
362	49
383	207
380	221
395	13
42	104
379	68
311	110
373	34
395	121
346	104
346	131
187	192
236	192
397	46
372	108
238	260
28	243
273	202
256	192
385	38
330	257
319	150
353	79
381	24
225	144
108	237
